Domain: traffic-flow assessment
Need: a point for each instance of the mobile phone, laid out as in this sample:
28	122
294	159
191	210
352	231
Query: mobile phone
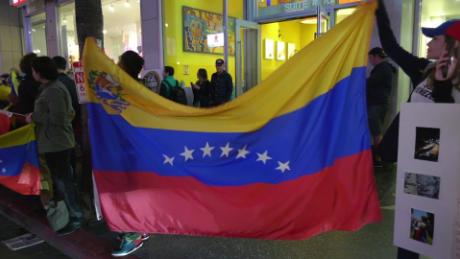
450	53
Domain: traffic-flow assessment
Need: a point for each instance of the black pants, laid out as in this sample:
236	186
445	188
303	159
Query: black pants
406	254
61	172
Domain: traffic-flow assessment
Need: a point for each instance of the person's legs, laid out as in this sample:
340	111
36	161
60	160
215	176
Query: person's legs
406	254
61	171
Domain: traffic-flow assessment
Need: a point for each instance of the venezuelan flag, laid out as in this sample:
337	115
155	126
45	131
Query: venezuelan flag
19	168
287	160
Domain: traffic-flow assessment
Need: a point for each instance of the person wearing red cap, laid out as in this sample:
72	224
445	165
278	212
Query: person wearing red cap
437	81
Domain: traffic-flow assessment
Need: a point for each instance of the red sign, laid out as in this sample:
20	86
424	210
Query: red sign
17	3
79	77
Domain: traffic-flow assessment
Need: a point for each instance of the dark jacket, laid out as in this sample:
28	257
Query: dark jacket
72	88
53	116
379	84
28	91
223	87
203	96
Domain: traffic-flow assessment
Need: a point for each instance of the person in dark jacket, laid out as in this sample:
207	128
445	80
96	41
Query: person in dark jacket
61	64
421	71
222	83
379	85
53	114
430	81
28	89
202	90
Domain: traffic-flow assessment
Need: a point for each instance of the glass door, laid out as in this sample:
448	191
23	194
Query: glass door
324	21
247	56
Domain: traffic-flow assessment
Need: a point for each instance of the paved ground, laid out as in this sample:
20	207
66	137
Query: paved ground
41	251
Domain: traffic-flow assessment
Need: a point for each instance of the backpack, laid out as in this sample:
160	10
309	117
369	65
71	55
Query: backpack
177	93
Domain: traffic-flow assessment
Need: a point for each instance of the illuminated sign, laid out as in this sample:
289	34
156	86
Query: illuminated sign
17	3
306	4
215	40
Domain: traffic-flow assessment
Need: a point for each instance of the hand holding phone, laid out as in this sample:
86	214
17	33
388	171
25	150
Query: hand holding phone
446	64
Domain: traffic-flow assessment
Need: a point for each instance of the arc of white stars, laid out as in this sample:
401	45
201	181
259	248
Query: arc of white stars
187	154
242	153
226	150
263	157
283	166
207	149
168	160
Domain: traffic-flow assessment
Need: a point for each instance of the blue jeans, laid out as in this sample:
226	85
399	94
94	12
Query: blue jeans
61	172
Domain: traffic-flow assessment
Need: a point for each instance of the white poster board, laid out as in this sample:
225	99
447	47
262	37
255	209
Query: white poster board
428	180
79	78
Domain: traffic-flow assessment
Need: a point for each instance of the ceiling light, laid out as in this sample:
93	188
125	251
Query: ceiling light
111	8
310	20
127	4
104	31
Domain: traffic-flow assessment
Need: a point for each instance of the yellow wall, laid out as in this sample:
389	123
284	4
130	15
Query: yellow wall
289	32
173	38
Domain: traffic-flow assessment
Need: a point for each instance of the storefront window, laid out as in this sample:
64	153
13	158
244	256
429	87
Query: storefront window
38	34
268	8
122	27
341	14
68	33
193	36
433	14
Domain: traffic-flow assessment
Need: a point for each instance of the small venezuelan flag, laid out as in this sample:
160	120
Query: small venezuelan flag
19	168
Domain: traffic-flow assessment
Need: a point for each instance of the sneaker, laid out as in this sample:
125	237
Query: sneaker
67	230
145	236
128	247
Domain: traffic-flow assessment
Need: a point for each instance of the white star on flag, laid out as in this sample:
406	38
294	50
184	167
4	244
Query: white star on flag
226	150
283	166
187	154
168	160
242	153
3	170
207	150
1	161
263	157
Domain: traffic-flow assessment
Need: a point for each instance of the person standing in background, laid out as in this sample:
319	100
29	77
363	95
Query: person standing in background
222	84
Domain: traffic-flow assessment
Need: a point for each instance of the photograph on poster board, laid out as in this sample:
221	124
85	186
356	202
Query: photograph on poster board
422	185
427	144
422	226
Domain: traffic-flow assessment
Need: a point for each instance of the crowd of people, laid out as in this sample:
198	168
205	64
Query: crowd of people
44	94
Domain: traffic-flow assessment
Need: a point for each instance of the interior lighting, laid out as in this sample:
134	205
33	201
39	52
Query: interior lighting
309	20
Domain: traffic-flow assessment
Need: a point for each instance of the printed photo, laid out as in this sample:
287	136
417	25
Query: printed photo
427	144
422	185
290	50
280	50
269	49
422	226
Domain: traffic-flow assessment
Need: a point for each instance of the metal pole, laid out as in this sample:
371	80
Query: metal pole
224	27
27	31
318	22
416	26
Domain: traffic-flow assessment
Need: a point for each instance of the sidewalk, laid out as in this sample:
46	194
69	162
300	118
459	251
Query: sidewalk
94	241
